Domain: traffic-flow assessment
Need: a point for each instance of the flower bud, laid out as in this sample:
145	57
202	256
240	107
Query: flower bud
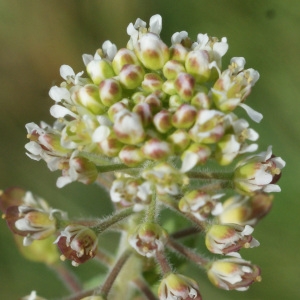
144	111
29	222
131	156
200	204
110	91
201	101
148	238
168	87
162	121
177	286
128	127
172	68
209	127
88	97
245	210
124	57
99	70
154	102
156	149
152	51
184	116
77	243
197	64
258	173
233	274
227	238
110	146
115	108
131	76
77	169
180	140
194	155
152	82
175	101
178	52
185	85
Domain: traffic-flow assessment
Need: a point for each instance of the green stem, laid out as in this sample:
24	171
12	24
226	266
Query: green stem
151	211
187	252
109	221
210	175
112	168
114	273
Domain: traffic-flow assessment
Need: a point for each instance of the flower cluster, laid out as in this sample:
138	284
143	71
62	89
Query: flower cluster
160	118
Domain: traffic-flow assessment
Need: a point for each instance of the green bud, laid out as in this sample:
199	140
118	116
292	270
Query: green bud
156	149
152	82
184	116
88	97
124	57
131	156
178	52
197	64
100	70
180	140
184	85
162	121
172	68
110	91
131	76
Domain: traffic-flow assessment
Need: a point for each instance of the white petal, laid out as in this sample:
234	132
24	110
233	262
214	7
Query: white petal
66	71
100	134
34	148
87	58
247	230
254	115
58	111
254	243
189	161
155	24
62	181
270	188
234	254
58	94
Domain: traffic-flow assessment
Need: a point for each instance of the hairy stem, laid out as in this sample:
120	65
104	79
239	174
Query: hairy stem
109	221
144	288
114	273
187	252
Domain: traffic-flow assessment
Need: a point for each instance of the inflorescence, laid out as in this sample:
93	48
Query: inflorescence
161	120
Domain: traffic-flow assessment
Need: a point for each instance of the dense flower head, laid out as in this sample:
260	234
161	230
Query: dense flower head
158	126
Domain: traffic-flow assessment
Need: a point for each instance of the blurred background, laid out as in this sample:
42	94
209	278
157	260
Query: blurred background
37	37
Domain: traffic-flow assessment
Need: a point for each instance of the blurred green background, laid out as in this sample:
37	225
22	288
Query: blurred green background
37	37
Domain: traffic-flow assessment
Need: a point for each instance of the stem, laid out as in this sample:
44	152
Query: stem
106	259
151	211
185	232
111	168
210	175
80	295
174	205
144	288
187	252
163	262
117	217
114	273
68	278
214	187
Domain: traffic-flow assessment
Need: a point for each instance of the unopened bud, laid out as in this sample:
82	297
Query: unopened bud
184	117
124	57
162	121
152	82
131	76
180	140
100	70
156	149
172	68
110	91
185	85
